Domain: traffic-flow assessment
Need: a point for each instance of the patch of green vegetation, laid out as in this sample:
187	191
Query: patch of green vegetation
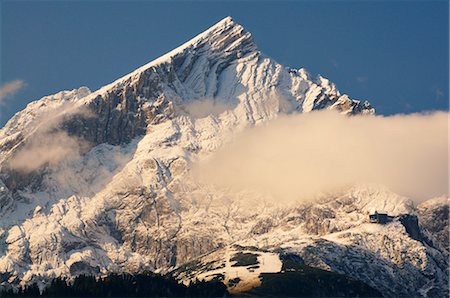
210	266
250	248
220	266
233	282
206	266
218	277
197	265
189	266
244	259
292	262
305	281
253	267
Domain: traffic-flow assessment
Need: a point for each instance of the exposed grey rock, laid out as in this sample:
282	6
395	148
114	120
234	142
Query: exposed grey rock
126	200
433	218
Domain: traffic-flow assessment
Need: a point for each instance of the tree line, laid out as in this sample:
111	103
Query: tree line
122	285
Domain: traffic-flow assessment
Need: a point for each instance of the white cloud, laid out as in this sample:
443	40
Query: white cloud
295	157
361	79
49	144
335	63
47	148
10	88
205	107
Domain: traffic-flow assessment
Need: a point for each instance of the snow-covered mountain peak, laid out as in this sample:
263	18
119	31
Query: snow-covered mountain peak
220	30
127	201
222	35
228	20
225	38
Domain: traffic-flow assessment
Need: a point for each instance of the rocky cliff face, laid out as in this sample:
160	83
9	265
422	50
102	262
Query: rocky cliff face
96	182
433	216
222	64
336	235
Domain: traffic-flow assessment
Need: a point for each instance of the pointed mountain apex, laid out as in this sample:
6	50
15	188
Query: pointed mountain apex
223	27
225	21
225	38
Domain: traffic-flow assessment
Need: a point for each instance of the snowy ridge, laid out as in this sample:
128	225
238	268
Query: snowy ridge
22	121
26	121
434	215
127	202
214	36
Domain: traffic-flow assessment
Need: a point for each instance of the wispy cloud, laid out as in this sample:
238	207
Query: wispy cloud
438	94
335	63
361	79
10	88
205	107
50	144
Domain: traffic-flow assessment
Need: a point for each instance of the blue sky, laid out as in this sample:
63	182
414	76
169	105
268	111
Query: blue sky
392	53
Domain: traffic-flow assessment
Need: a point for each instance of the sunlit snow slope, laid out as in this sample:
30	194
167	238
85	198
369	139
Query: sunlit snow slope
98	182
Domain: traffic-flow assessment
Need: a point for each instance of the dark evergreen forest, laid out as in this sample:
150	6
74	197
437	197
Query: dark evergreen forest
122	285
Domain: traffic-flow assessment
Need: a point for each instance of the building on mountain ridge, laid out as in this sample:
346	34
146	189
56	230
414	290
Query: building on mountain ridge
380	218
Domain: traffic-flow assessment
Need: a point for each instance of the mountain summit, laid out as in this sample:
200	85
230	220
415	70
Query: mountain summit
100	182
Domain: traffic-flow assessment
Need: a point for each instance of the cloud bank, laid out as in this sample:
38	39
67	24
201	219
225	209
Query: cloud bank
296	157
